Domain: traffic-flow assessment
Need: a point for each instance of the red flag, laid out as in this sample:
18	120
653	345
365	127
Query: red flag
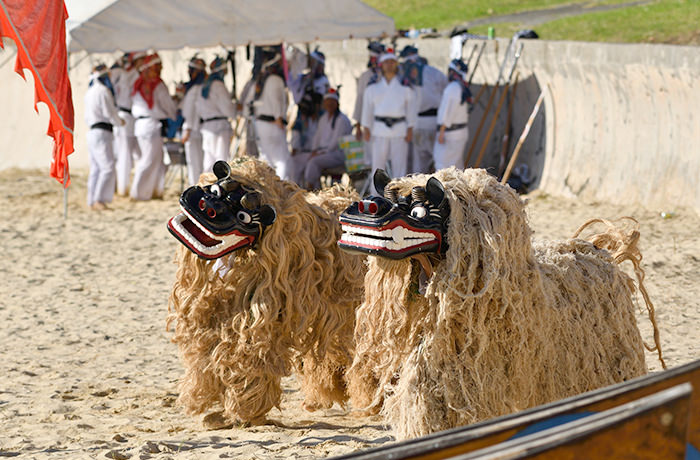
38	28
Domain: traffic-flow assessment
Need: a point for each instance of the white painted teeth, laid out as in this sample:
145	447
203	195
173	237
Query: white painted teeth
224	242
393	239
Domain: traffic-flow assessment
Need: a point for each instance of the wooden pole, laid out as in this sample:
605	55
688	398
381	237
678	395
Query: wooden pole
508	130
523	136
480	127
494	120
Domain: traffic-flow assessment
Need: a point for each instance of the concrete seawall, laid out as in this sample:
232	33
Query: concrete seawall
619	122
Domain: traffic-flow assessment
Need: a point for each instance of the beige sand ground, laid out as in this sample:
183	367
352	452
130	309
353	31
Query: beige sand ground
86	366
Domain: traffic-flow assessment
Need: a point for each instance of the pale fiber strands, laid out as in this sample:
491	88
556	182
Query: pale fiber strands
288	303
504	324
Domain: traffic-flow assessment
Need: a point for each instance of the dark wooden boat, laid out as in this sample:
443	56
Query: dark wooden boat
650	428
469	438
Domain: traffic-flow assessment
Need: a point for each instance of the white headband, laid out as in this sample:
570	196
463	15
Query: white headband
315	55
456	69
387	56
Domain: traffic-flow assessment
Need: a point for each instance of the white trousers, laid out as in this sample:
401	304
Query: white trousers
451	153
423	141
216	146
316	165
150	169
273	148
389	149
101	179
194	155
126	151
297	167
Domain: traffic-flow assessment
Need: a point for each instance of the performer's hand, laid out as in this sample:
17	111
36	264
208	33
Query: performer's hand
367	134
441	137
278	122
409	135
186	135
122	122
358	132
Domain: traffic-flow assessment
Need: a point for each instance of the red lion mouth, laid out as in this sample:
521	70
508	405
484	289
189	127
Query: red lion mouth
395	237
203	242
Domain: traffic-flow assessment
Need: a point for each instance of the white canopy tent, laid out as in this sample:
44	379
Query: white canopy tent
108	25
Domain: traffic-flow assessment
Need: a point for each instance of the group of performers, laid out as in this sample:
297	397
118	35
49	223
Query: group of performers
412	117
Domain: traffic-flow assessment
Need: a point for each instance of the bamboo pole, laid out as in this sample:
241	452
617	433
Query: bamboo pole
508	129
494	120
481	126
523	136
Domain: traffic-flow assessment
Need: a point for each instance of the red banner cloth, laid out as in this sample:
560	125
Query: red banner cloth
38	28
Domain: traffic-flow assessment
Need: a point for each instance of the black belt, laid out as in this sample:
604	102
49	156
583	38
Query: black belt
428	113
204	120
163	125
270	118
102	125
390	121
455	127
124	109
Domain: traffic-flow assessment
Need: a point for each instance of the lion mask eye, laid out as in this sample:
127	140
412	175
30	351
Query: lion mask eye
215	190
419	212
244	217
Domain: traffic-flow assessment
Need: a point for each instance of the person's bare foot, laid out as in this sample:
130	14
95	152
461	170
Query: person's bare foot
99	206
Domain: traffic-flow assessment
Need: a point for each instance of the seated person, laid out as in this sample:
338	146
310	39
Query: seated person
326	153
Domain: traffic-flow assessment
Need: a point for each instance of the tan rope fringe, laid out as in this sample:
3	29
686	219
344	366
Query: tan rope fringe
622	245
506	322
288	304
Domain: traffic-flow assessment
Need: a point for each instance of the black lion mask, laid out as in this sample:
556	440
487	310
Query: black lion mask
220	218
396	226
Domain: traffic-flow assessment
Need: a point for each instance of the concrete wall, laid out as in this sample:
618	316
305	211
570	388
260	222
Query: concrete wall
619	122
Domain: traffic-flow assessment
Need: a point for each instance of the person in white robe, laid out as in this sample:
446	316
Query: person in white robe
453	118
270	110
369	76
101	116
151	107
126	148
429	84
191	137
325	146
213	112
389	113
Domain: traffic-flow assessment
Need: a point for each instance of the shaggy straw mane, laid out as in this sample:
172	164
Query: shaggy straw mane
286	304
504	324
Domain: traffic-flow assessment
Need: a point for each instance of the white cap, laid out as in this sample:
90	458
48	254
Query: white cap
331	94
389	54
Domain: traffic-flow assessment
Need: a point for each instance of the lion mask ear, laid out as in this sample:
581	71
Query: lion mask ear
435	191
381	179
221	169
267	214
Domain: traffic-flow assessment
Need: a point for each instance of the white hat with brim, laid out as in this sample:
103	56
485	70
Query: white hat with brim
387	56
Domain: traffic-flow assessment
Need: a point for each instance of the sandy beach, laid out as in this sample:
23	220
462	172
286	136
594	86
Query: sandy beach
88	370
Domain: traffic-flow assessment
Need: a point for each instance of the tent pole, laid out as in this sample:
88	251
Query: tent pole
65	195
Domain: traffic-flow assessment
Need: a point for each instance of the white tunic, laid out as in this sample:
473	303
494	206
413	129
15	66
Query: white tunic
393	100
188	108
273	99
362	83
123	86
328	136
217	105
148	118
451	110
99	105
429	94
